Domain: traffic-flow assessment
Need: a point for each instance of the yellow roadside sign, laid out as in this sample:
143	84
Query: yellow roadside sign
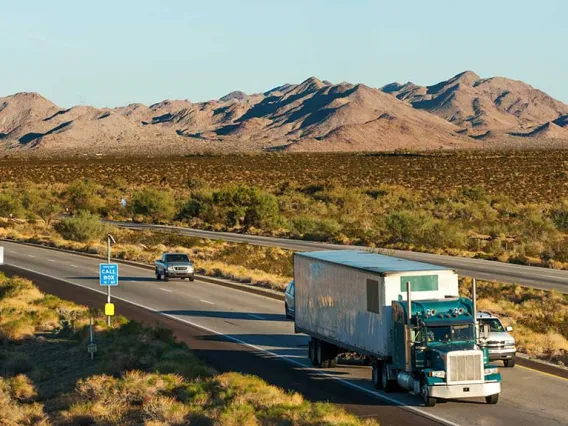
109	309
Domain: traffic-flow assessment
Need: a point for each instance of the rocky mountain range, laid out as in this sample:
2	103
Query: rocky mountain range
464	112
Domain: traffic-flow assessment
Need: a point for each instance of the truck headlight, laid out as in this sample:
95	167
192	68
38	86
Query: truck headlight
440	374
190	269
170	268
489	371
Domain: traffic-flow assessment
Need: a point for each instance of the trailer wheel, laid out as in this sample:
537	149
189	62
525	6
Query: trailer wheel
376	375
492	399
312	352
322	355
387	385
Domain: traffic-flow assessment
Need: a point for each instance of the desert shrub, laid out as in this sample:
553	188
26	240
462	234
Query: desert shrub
559	215
83	227
408	226
536	225
234	206
247	206
10	204
443	234
156	205
474	193
313	228
47	209
83	195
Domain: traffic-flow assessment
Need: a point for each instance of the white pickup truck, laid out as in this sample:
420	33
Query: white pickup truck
174	265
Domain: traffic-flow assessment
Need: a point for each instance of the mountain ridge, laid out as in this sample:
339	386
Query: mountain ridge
463	112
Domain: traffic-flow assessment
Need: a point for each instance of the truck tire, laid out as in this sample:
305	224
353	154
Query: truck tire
333	362
158	276
322	354
386	384
312	352
509	362
287	312
191	278
429	401
166	278
492	399
376	375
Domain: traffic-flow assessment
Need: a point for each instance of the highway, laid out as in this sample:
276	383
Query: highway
235	325
530	276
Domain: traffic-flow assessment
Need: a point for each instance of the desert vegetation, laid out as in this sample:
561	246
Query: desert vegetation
140	374
504	206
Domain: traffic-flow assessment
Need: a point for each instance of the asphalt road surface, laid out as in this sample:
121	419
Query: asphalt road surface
530	276
245	332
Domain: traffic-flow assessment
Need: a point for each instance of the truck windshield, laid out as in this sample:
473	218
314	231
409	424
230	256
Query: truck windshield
177	258
450	333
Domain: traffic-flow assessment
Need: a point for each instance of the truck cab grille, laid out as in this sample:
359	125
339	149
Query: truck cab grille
464	367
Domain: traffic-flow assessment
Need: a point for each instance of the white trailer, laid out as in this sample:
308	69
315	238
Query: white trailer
405	317
345	296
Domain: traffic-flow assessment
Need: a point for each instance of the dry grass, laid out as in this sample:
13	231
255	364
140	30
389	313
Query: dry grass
141	375
226	399
16	403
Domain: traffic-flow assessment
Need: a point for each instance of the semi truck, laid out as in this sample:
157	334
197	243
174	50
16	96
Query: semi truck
406	317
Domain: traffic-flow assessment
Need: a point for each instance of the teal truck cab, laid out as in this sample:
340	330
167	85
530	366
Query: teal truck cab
435	354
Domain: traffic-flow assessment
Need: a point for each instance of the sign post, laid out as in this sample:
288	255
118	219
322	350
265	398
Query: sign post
108	276
92	346
1	255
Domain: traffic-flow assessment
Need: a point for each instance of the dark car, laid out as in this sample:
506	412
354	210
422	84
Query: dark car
289	305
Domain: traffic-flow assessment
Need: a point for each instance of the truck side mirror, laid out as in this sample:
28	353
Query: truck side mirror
509	328
486	331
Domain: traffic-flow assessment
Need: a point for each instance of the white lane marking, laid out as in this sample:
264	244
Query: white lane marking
12	251
206	301
165	289
376	394
51	260
256	316
31	255
73	266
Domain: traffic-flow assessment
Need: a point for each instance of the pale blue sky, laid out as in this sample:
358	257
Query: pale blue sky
110	53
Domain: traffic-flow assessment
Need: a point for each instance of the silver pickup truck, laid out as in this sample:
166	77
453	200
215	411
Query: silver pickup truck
174	265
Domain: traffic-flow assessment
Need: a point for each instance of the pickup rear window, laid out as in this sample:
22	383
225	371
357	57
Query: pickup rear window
176	258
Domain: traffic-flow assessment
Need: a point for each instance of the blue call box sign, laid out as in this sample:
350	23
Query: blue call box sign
108	274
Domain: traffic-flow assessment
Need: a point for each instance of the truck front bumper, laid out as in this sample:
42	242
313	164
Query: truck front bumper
497	354
473	390
180	274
